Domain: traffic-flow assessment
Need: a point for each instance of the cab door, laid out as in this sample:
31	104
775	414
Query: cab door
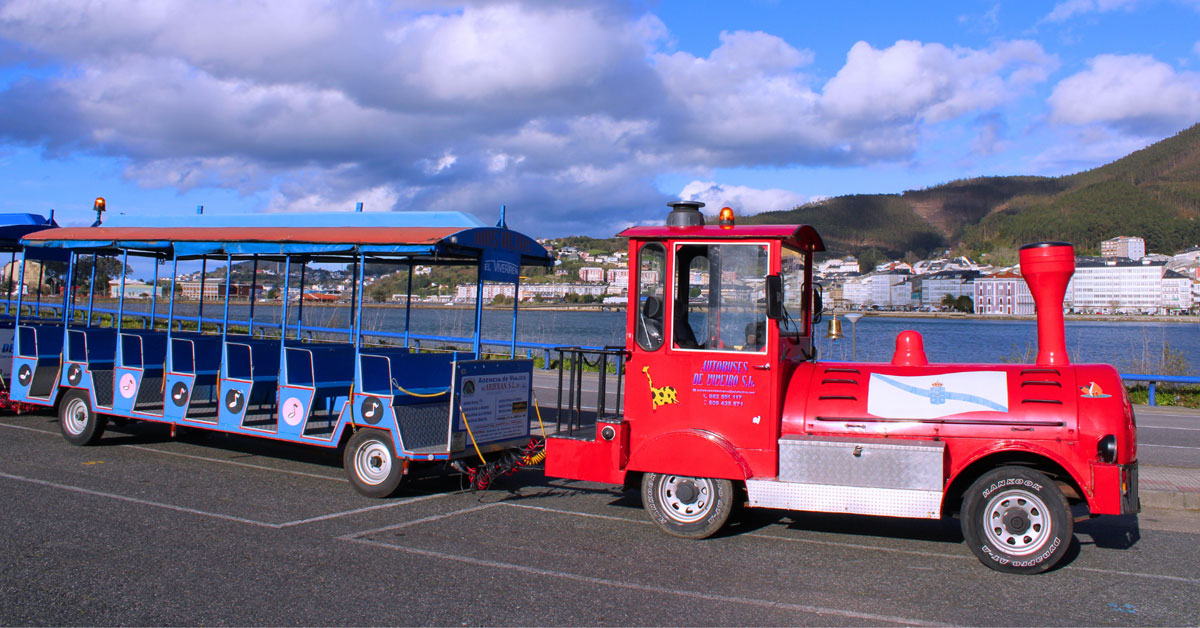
715	371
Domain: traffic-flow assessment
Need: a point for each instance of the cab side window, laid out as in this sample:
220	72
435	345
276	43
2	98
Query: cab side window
652	279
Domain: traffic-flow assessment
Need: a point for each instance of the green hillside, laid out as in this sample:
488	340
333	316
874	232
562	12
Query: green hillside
1153	193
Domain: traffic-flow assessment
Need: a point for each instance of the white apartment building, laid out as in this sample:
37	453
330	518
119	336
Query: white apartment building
1131	247
1003	293
465	293
1176	293
838	265
1111	285
619	276
955	283
591	273
878	289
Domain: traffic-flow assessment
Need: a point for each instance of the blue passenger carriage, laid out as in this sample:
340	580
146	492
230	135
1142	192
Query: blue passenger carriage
390	405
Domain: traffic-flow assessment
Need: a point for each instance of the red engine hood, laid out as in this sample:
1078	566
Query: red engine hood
937	400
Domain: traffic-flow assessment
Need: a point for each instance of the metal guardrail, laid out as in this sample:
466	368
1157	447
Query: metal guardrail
1154	380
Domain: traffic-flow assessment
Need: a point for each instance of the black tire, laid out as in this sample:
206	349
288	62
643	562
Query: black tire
1016	520
692	508
371	464
79	423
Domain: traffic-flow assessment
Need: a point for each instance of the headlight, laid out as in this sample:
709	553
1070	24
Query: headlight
1107	448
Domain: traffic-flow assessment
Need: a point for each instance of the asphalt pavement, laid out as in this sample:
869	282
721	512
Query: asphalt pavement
145	529
1168	457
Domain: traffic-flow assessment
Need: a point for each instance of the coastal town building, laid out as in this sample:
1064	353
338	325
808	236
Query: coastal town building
1116	285
838	266
1176	293
591	274
953	283
214	289
1004	293
1131	247
889	290
133	289
618	276
547	291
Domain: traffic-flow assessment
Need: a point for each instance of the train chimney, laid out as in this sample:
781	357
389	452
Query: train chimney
685	214
1047	268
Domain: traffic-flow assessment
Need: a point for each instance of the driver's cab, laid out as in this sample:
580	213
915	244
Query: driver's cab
719	318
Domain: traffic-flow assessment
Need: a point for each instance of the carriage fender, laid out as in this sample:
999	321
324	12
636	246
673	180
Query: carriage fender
697	453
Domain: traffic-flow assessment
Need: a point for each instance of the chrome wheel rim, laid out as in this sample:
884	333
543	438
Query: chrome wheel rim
75	417
372	462
686	499
1017	521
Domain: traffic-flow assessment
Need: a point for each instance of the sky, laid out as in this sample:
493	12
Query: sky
581	117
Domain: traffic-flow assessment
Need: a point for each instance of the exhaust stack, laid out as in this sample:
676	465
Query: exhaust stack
685	214
1047	268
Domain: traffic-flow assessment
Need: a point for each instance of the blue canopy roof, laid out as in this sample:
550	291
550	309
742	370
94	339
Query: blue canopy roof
429	235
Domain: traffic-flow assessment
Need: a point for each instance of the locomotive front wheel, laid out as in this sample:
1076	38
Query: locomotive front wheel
1016	520
693	508
80	425
370	465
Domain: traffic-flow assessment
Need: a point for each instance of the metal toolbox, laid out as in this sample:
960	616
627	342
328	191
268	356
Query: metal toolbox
862	462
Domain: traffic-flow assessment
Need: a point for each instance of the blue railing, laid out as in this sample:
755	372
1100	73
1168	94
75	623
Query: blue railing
529	348
544	347
1155	379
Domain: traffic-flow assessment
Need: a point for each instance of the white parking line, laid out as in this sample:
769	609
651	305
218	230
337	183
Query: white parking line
194	457
345	513
620	584
862	546
217	515
238	464
1166	446
144	502
397	526
1165	427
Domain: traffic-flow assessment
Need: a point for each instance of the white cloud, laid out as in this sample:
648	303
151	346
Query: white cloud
1133	93
568	109
911	80
1080	148
744	200
1070	8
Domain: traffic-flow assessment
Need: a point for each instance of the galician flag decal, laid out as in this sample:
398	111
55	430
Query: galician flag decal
936	396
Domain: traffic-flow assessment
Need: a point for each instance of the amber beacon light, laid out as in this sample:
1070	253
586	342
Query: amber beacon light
98	207
725	218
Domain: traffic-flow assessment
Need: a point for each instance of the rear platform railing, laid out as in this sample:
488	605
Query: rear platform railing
579	406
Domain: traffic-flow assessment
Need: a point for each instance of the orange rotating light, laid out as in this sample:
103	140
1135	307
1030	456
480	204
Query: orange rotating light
725	218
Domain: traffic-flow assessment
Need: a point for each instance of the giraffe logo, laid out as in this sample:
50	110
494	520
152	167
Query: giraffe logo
660	396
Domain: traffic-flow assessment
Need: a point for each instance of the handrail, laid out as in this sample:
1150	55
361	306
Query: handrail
1155	379
530	347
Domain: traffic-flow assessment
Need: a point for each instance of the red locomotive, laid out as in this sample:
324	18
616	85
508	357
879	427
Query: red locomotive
727	403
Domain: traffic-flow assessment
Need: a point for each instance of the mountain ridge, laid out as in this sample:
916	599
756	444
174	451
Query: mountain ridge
1153	193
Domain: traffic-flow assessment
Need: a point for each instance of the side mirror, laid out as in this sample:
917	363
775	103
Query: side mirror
774	287
818	304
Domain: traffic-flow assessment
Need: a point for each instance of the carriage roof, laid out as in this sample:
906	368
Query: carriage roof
422	235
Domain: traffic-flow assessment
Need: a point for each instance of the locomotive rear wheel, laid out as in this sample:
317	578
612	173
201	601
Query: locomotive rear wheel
370	465
78	422
685	506
1017	520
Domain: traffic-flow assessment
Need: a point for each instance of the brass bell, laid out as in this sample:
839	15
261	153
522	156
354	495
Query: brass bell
835	329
